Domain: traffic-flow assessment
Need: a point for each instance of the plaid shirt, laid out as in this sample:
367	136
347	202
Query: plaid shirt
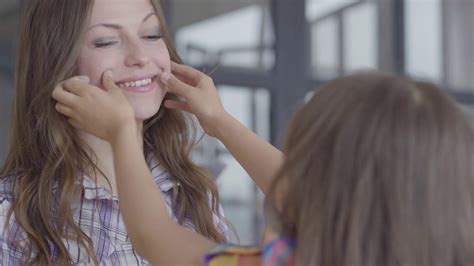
99	217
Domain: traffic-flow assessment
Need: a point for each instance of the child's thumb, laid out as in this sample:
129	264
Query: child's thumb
108	82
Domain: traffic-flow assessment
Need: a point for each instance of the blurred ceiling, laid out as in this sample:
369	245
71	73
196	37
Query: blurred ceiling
180	12
186	12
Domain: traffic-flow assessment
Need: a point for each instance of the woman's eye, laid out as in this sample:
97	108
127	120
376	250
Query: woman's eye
152	37
104	44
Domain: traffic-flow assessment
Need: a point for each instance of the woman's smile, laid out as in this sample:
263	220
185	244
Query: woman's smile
141	84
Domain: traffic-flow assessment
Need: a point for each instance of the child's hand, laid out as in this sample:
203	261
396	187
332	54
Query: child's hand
199	93
103	113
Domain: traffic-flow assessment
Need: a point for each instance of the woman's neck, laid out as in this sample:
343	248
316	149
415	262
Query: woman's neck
102	150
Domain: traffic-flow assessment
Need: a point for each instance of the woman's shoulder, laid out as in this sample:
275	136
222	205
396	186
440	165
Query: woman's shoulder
7	184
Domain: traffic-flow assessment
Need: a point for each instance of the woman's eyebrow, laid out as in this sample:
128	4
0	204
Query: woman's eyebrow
116	26
107	25
148	16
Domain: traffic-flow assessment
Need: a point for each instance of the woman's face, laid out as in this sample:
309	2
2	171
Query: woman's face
124	36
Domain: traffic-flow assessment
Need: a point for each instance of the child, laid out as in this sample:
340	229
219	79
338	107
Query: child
378	170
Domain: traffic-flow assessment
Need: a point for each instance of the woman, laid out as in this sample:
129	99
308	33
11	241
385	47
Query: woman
57	192
378	171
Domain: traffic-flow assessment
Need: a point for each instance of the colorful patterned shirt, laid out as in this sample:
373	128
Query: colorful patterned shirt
278	252
99	217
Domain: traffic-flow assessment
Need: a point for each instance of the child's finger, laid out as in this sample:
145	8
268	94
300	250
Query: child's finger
74	123
185	79
77	85
175	85
64	97
63	109
187	71
108	82
176	105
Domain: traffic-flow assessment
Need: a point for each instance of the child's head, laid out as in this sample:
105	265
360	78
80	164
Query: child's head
379	171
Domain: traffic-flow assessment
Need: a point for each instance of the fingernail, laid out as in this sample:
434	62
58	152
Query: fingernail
108	73
83	78
165	77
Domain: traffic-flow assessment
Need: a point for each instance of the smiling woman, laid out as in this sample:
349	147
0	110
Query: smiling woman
127	39
58	202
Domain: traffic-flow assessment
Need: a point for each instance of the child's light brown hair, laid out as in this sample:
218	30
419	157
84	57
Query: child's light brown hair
379	171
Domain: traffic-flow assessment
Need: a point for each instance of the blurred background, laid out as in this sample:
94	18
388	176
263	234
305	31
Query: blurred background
266	56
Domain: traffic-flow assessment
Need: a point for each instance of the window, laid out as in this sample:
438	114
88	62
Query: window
241	38
423	39
343	36
245	39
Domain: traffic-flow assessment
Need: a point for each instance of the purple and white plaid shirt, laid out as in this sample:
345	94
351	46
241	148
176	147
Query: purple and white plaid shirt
99	217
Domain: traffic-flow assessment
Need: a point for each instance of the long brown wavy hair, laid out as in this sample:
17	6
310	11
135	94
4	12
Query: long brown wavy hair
45	153
379	171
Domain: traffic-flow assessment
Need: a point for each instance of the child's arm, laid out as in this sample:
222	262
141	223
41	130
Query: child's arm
108	115
260	159
152	232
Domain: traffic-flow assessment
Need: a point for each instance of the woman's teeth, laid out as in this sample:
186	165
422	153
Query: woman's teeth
133	84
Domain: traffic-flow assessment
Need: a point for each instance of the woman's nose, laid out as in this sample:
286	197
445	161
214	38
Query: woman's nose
136	56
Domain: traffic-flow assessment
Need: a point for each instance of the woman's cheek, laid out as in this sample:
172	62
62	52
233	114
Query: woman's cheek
161	56
93	68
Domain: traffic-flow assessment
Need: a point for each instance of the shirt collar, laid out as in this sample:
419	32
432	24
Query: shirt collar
162	179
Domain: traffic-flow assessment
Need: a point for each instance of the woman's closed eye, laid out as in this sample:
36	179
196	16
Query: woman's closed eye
104	43
152	37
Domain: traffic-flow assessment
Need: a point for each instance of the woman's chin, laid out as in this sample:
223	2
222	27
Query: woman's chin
142	113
